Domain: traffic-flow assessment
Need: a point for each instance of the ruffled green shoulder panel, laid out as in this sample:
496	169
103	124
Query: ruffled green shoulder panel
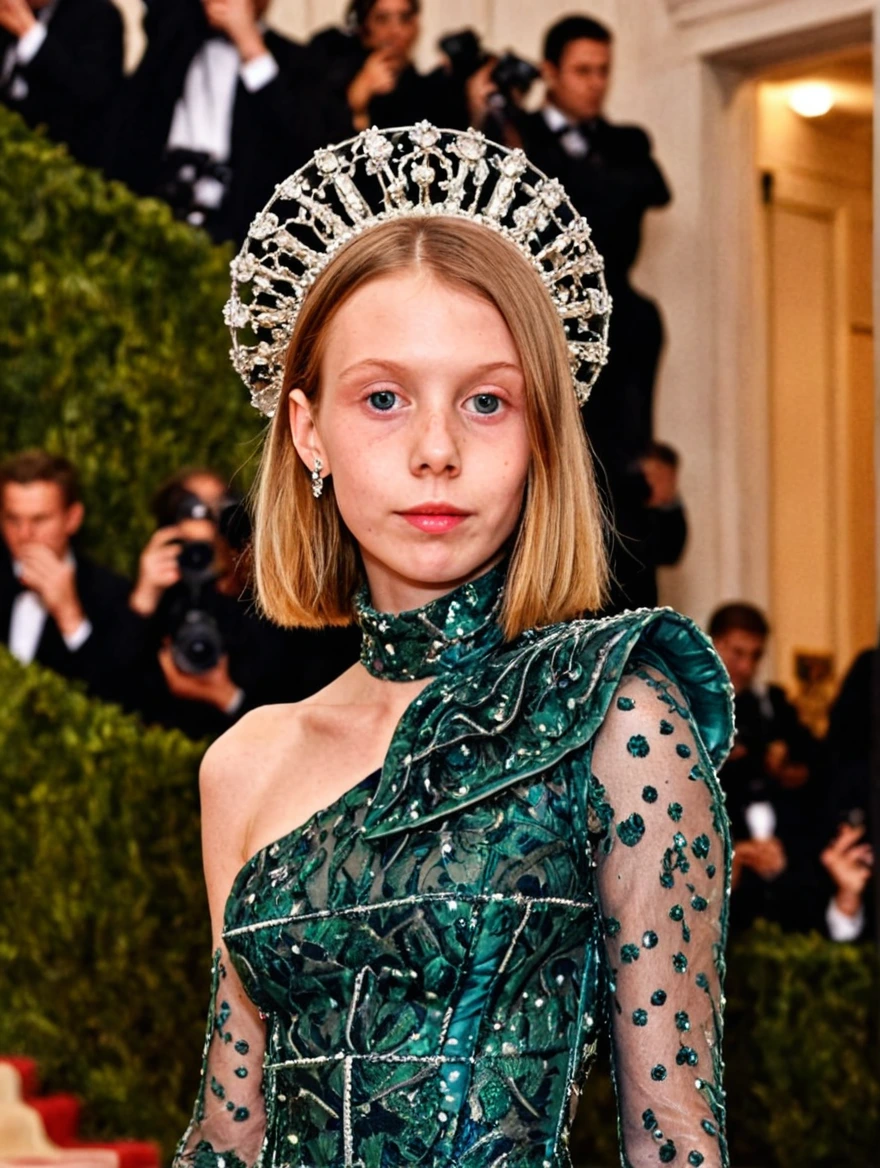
528	704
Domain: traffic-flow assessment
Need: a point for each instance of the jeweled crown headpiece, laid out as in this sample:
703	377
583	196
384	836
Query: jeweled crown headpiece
379	176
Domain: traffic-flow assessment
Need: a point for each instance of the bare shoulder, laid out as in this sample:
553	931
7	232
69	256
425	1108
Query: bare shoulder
241	763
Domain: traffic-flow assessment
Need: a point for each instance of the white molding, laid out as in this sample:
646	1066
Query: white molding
689	12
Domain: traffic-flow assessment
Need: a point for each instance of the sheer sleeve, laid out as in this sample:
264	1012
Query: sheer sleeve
229	1121
662	871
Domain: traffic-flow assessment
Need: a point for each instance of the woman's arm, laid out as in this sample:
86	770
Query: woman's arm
662	873
229	1121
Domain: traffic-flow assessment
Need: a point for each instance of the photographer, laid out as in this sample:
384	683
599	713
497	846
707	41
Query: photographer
206	657
612	179
370	64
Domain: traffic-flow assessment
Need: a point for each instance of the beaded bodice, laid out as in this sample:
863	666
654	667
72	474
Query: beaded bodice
420	973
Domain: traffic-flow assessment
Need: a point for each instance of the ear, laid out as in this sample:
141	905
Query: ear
75	515
304	432
549	75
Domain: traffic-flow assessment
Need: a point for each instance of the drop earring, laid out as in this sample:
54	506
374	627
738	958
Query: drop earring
317	481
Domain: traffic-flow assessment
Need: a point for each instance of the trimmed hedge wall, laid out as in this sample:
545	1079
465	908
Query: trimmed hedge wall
105	952
113	349
105	947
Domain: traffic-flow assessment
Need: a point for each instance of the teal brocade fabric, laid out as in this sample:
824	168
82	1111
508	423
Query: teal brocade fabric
434	956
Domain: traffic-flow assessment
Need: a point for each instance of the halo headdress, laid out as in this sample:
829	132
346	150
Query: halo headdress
413	171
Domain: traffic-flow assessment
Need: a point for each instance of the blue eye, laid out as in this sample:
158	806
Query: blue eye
383	399
486	403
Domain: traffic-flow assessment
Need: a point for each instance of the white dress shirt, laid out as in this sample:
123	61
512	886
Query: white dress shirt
573	141
202	119
29	619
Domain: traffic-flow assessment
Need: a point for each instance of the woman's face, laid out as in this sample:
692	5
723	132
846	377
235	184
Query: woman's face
392	25
422	424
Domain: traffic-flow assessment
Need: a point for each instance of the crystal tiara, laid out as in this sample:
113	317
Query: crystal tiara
382	175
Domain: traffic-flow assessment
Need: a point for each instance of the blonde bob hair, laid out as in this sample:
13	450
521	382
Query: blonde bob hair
307	563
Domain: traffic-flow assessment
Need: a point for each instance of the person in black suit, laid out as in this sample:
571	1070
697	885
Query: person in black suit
612	179
775	783
61	66
57	606
370	65
219	111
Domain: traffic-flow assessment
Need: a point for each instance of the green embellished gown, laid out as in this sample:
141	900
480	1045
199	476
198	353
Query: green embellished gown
420	973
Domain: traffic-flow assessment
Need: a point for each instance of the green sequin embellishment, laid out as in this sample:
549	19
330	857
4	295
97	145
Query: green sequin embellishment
241	1114
649	794
696	1158
649	939
679	962
683	750
629	953
666	727
709	1128
658	1073
699	903
631	830
682	1021
710	870
649	1119
218	1089
625	704
695	773
700	847
640	1017
702	981
242	1047
675	811
676	913
687	1055
638	746
241	1072
612	926
658	998
667	1152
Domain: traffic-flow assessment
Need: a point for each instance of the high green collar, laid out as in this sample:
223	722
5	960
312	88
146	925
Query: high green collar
446	634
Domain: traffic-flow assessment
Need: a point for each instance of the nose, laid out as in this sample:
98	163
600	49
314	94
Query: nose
436	446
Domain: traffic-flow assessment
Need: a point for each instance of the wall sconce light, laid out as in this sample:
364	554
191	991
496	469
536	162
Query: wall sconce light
811	99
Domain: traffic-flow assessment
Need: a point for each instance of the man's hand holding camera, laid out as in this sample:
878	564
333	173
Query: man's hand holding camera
54	580
214	686
159	569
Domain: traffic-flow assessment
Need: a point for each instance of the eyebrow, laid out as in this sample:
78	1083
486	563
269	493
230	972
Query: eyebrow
395	367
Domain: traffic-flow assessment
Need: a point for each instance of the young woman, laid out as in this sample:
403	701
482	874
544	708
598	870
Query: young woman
435	884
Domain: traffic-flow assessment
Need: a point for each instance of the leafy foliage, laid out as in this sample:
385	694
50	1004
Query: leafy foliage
113	349
105	948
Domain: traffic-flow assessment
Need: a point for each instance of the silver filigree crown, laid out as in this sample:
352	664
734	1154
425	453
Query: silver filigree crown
379	176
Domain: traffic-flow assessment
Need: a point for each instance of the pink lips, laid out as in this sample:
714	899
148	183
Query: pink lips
434	518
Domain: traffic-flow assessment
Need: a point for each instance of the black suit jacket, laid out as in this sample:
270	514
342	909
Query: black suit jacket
105	658
274	131
74	77
612	186
434	96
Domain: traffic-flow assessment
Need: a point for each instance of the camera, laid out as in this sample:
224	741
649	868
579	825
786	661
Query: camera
512	76
197	642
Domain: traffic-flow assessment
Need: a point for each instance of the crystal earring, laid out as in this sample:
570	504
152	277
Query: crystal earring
317	481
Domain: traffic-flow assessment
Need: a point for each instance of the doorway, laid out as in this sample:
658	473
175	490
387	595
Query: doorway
814	161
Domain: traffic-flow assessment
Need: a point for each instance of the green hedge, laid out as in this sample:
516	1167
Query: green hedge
113	349
105	952
104	942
